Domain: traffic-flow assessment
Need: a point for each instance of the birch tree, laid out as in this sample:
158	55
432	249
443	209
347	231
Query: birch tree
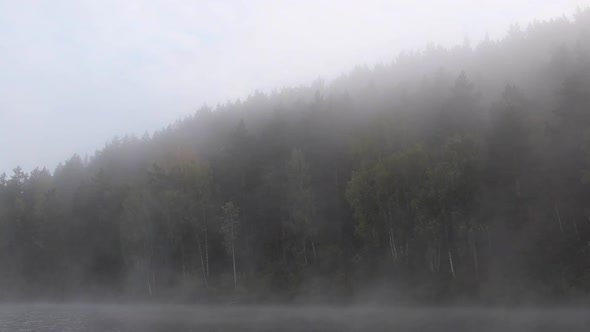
231	231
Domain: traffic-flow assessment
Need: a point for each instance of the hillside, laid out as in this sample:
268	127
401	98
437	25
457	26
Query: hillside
445	175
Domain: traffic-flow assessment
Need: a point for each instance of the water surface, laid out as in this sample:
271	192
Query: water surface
151	318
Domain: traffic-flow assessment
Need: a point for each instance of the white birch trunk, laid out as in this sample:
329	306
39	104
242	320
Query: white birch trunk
202	260
451	264
149	285
391	246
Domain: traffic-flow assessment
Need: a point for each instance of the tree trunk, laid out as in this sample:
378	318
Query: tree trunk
149	286
148	262
475	261
182	258
432	259
202	260
437	258
233	253
305	249
149	279
283	244
392	248
206	250
392	245
451	263
313	249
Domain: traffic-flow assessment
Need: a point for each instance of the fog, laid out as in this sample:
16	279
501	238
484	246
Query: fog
76	74
443	187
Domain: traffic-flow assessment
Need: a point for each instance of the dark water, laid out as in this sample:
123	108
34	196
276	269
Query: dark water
42	317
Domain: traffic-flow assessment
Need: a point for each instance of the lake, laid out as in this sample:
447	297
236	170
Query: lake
152	318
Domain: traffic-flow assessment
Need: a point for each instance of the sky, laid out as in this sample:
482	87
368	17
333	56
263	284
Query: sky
74	74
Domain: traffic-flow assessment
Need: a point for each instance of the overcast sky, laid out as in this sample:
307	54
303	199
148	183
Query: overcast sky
73	74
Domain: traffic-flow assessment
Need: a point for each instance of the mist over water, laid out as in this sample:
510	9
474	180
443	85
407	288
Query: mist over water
155	318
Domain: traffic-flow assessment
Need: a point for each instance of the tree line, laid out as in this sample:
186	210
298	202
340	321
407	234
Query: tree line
446	175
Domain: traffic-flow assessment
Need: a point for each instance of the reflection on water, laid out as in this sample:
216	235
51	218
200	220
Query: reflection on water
91	318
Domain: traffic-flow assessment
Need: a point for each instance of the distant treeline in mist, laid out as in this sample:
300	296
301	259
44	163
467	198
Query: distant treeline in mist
446	175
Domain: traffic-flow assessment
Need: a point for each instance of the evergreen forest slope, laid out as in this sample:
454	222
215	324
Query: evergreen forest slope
445	175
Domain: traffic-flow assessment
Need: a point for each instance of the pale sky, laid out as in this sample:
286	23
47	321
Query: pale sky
73	74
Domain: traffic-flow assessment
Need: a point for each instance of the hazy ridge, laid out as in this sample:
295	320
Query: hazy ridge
448	175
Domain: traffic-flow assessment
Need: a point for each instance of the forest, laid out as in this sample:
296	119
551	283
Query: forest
447	175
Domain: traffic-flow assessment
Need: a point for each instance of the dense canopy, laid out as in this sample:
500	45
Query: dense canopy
446	175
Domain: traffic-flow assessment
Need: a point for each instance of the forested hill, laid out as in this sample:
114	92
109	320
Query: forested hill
448	174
